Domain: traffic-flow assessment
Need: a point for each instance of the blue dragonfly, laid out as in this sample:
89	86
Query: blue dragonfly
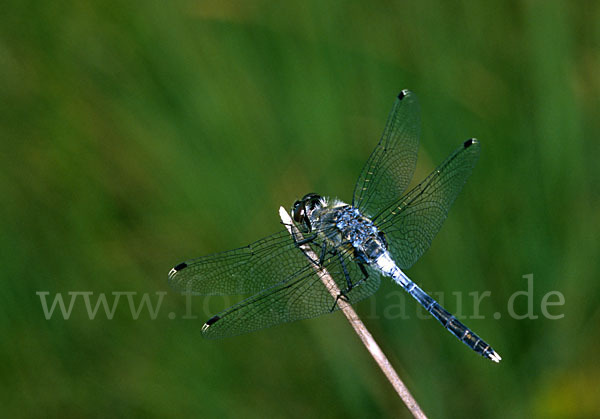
383	232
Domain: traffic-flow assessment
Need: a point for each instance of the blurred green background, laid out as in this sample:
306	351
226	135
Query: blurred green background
137	135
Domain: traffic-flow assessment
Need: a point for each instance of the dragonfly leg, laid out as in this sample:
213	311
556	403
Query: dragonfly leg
342	295
304	240
349	285
324	253
365	273
308	240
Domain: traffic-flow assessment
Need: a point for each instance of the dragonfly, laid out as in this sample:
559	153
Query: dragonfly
383	232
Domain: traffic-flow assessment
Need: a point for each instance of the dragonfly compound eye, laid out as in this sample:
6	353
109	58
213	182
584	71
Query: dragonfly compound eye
298	211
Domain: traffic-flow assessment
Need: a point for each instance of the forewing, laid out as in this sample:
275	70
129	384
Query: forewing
411	223
299	296
246	270
391	166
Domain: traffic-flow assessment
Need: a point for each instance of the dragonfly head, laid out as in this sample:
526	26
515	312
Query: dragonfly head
302	210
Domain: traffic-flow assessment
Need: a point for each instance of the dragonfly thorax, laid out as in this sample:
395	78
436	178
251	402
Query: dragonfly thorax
359	231
340	224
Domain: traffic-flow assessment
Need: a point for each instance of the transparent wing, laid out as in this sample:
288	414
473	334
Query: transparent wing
411	223
300	295
391	166
242	271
